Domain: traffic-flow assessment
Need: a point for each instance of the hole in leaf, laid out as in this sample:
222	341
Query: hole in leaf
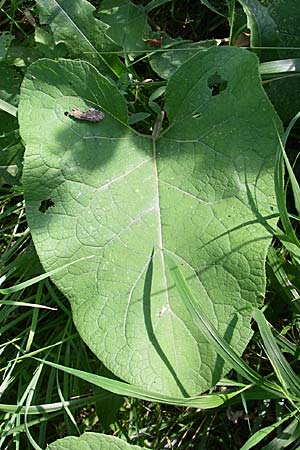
66	113
216	84
45	205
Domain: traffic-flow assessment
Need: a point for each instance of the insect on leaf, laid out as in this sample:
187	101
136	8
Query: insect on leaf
91	115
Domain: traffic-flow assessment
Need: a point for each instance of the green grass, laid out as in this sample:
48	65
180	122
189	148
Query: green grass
40	403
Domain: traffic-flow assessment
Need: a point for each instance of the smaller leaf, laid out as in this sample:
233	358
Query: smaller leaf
46	45
157	93
22	55
155	107
107	408
5	41
264	31
174	53
44	37
10	82
127	24
92	441
276	26
74	24
138	117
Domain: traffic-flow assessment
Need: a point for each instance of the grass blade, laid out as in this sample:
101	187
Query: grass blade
280	66
286	437
212	335
289	240
288	290
129	390
7	107
33	385
264	432
155	4
292	177
34	280
283	370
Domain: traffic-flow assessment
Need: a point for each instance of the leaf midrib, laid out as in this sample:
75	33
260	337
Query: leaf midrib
161	246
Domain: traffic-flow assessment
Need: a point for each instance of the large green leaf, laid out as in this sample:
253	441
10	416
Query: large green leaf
202	192
92	441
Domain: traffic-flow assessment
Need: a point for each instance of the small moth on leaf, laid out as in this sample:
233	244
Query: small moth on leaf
91	115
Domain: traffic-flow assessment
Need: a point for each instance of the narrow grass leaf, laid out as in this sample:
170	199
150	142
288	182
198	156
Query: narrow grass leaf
282	368
32	388
34	321
48	398
34	280
292	178
7	107
281	197
155	4
264	432
286	437
64	389
41	420
129	390
8	378
15	413
43	349
282	278
47	408
280	66
31	305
